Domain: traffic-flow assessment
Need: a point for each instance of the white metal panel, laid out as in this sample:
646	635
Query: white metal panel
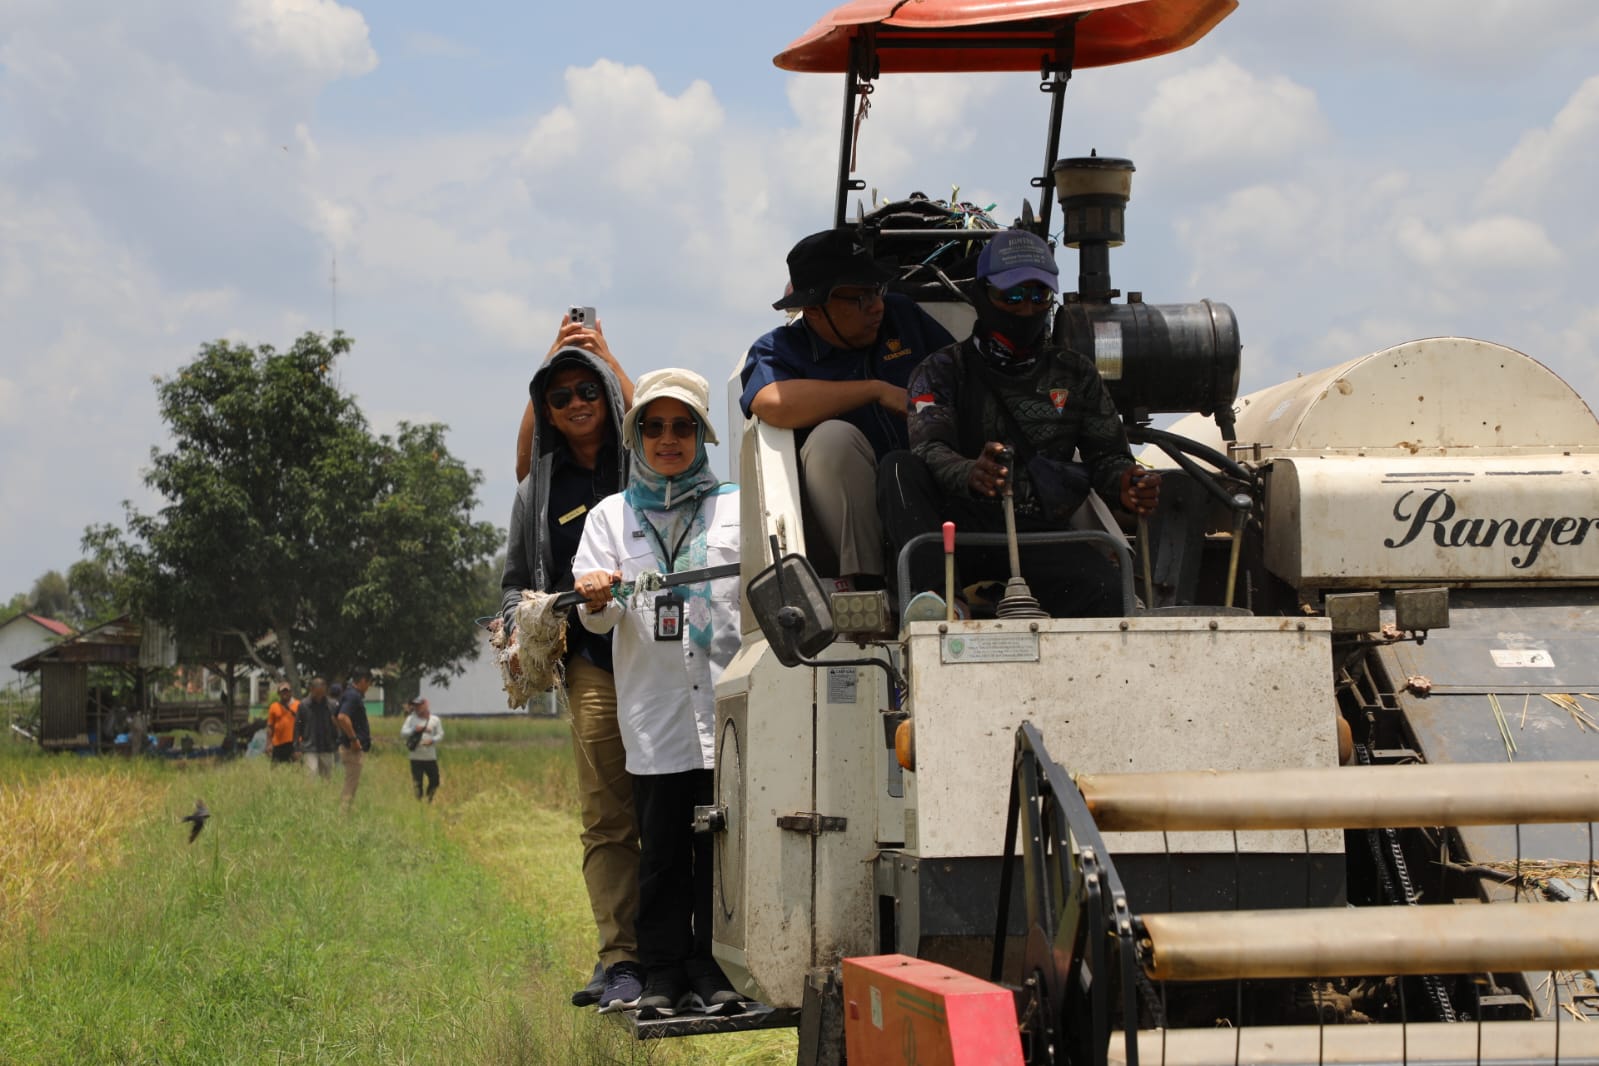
1342	521
1437	396
1162	694
849	780
762	907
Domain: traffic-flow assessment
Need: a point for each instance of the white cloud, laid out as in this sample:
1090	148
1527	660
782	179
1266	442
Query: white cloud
1554	166
621	132
1220	115
1499	243
508	320
326	39
1487	31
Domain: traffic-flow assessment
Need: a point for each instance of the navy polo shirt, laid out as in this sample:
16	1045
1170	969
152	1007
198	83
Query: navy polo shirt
907	336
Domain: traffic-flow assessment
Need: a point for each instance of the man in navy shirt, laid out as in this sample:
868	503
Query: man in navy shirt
358	741
836	375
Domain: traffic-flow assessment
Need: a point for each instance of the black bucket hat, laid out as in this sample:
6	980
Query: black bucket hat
823	261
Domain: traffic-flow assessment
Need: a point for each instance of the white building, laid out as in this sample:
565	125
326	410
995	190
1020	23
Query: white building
22	636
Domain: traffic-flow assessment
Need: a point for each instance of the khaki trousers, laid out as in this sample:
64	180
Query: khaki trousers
605	792
840	473
353	758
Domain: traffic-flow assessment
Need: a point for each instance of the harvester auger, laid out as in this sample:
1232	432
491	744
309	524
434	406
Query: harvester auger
1098	980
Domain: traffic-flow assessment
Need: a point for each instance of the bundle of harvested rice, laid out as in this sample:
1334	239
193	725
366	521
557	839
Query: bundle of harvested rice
529	657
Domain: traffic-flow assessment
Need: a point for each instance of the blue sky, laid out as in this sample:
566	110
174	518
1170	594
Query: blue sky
1346	175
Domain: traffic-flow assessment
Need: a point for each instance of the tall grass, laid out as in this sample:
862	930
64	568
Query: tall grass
55	833
289	933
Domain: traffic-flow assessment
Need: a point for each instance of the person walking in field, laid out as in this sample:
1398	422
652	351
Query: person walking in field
422	731
357	739
315	731
281	721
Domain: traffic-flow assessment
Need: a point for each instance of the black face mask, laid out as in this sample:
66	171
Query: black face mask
1025	333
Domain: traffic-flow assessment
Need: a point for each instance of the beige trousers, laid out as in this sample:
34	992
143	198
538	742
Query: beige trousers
605	793
840	472
353	758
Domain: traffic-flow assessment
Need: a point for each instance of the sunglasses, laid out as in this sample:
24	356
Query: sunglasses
587	391
681	427
1036	294
863	299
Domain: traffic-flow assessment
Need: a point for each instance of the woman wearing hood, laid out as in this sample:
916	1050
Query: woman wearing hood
578	460
670	646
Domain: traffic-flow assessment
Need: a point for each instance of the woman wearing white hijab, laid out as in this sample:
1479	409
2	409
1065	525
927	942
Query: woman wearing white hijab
670	647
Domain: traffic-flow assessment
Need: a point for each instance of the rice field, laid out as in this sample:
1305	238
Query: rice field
289	933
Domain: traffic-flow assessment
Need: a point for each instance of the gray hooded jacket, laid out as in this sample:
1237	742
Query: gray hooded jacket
529	561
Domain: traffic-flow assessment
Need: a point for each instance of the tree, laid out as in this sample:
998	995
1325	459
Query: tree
412	605
86	596
95	593
51	597
285	516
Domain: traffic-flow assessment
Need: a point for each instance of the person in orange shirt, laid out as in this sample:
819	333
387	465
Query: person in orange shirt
280	724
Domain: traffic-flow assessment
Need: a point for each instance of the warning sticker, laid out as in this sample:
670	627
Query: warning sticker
842	682
1516	658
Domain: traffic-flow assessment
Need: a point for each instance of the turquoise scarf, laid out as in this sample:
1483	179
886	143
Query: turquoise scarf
672	510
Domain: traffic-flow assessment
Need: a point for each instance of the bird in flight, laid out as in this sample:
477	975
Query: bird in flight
201	813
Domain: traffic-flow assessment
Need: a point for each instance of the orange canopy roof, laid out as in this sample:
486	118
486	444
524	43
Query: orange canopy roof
931	36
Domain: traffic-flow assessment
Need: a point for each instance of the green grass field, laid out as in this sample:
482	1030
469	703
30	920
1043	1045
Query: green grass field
290	933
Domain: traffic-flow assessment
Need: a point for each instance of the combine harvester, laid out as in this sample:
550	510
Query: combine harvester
1275	813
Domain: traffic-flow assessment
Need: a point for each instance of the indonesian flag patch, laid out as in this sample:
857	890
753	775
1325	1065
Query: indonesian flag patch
1058	398
922	402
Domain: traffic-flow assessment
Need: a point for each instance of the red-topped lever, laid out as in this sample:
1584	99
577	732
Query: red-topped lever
949	571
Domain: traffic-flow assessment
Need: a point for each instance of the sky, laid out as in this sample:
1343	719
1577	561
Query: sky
1348	176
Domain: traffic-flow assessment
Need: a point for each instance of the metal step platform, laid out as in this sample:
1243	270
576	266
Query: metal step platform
691	1023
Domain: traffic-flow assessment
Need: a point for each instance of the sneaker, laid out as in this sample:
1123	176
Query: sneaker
713	993
623	986
589	994
664	994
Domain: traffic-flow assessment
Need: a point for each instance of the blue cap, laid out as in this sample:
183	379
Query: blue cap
1015	256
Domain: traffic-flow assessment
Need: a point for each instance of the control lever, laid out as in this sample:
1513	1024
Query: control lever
1144	553
1018	601
949	571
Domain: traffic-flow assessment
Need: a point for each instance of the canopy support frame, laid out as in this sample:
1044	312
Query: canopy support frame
864	68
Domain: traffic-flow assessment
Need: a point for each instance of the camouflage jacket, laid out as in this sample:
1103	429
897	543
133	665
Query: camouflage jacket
1057	407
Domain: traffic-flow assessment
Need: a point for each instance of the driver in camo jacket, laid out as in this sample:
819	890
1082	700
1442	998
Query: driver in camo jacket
1008	386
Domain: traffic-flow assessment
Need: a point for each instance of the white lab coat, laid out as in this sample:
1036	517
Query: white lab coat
665	690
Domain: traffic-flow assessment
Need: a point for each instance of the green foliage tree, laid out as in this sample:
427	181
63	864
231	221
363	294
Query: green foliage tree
15	606
285	516
95	593
85	596
51	596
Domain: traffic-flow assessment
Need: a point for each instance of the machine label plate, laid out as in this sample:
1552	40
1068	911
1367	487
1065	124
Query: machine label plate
1511	658
989	648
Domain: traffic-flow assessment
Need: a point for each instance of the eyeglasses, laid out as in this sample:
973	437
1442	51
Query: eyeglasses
681	427
587	391
1014	296
863	299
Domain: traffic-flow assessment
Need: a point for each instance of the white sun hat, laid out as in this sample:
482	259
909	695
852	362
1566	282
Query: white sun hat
673	383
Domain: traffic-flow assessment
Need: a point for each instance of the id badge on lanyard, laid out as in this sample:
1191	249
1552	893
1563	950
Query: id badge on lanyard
669	605
669	616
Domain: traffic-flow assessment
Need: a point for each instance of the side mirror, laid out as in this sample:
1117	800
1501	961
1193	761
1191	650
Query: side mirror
791	607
